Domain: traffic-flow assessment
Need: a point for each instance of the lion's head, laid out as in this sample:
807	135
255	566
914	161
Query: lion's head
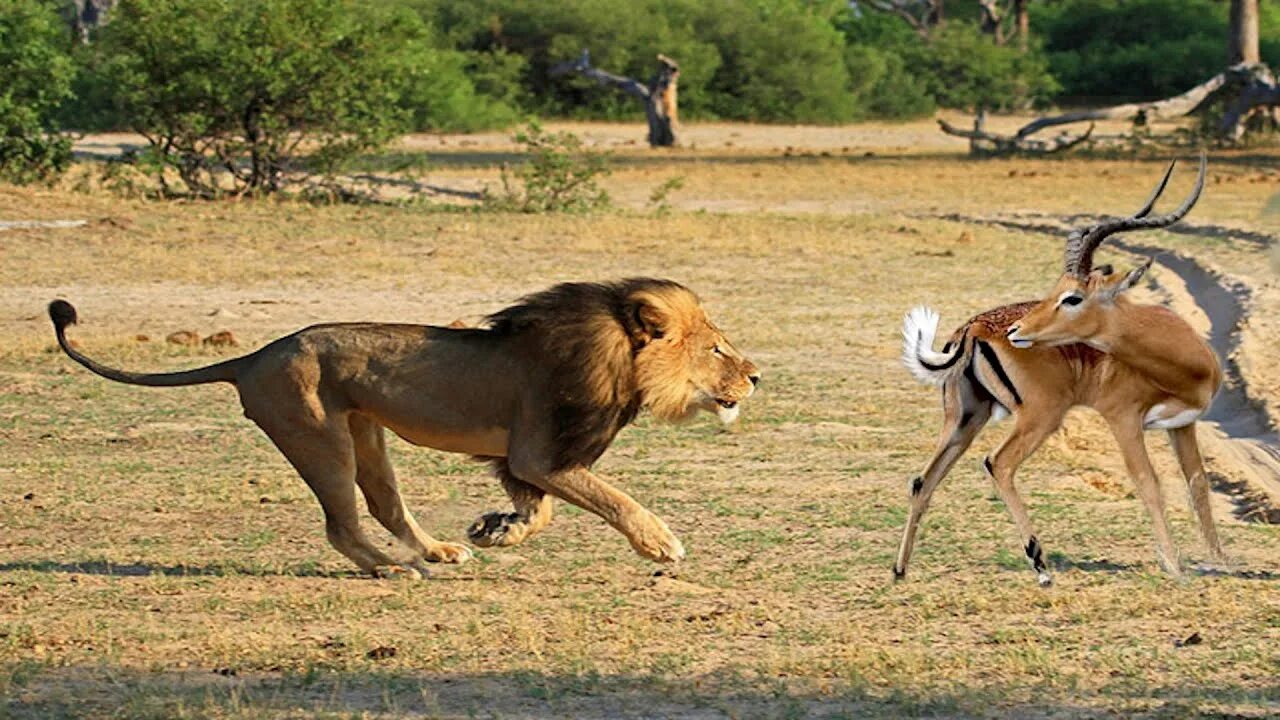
683	362
611	349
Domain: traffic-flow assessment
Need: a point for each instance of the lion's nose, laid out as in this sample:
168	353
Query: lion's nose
754	378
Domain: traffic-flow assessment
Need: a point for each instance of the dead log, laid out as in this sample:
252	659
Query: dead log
1240	90
659	96
983	143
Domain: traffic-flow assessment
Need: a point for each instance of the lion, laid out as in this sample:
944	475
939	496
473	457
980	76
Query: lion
539	391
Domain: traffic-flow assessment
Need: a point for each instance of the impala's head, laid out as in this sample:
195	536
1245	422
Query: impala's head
1077	307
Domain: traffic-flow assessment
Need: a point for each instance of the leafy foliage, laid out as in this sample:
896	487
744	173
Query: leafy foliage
227	94
560	175
1140	48
956	66
37	70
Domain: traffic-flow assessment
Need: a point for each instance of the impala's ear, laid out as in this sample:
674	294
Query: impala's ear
1109	290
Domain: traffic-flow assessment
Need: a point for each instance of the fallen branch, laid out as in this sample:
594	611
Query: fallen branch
1242	88
982	142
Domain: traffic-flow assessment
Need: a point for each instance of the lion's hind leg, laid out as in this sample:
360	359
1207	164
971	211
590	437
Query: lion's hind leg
377	480
532	513
322	452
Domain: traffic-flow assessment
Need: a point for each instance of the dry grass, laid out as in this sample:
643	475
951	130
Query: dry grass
161	560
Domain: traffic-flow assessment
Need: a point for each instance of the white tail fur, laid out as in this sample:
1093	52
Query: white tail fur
918	330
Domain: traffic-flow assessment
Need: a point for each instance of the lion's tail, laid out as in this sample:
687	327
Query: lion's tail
63	314
918	330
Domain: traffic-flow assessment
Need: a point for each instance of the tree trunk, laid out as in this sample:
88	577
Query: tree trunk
659	96
1022	23
991	20
1242	46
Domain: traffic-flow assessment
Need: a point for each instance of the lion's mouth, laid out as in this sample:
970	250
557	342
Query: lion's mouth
727	404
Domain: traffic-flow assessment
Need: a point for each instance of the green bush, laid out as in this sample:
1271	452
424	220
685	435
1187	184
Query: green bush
881	86
957	66
253	95
770	60
37	71
559	175
780	62
227	92
1140	48
963	68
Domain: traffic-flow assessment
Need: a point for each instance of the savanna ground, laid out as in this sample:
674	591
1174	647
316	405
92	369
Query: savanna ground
158	558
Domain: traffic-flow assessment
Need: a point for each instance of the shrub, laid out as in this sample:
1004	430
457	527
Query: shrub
559	176
1140	48
37	71
963	68
249	96
896	73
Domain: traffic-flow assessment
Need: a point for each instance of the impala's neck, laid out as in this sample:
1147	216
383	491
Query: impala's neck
1161	346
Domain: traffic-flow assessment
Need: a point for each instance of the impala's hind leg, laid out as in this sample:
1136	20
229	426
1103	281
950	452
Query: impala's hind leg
532	513
1031	427
966	409
377	480
1129	434
1187	448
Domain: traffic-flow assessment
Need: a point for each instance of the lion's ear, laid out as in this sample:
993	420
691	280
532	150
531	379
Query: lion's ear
645	322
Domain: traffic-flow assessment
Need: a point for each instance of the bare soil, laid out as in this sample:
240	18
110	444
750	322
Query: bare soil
158	558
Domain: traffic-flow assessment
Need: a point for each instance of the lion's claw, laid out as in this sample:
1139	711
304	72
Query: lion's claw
404	572
498	529
453	553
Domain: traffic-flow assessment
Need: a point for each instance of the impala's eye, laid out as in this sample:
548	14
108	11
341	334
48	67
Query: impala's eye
1070	300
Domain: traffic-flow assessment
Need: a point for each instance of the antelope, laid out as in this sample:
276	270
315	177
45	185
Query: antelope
1086	343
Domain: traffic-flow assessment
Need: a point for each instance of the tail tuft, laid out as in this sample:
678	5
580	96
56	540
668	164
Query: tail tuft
62	313
919	327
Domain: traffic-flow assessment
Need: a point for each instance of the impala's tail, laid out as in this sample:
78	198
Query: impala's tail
918	330
63	314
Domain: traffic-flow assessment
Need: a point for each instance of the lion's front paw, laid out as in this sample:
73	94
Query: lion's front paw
654	540
398	571
497	529
444	552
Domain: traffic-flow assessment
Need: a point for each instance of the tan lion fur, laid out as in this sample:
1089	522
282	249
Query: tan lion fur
540	391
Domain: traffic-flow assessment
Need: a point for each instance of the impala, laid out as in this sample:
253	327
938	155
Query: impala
1140	366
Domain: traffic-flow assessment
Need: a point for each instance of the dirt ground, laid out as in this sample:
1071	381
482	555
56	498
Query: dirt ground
158	558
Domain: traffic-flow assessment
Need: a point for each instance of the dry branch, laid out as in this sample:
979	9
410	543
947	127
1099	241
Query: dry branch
659	96
982	142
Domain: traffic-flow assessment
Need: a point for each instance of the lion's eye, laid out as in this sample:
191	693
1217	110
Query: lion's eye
715	350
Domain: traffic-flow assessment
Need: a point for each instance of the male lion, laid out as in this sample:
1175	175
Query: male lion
540	391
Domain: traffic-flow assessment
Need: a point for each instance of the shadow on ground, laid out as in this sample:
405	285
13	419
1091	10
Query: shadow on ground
41	692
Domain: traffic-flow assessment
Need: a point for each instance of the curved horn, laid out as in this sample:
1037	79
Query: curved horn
1082	242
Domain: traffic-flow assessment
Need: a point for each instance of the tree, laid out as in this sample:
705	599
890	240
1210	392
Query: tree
249	96
1242	45
37	71
659	96
1237	92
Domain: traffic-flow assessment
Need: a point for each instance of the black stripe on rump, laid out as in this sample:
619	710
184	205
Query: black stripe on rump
989	354
950	361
